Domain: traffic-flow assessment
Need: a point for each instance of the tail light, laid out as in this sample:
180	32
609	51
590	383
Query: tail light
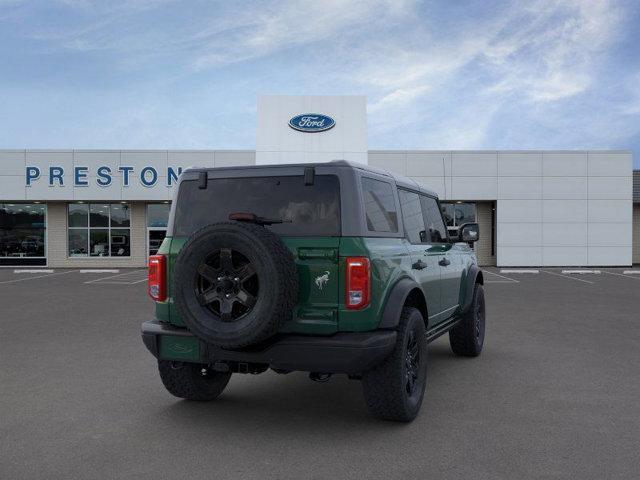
358	285
158	277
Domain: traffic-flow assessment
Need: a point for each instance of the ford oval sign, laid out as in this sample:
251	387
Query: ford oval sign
311	122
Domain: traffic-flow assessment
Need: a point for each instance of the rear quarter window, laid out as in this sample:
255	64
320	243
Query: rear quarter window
306	210
379	206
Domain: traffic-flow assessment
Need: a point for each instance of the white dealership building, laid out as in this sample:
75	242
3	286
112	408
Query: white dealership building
109	208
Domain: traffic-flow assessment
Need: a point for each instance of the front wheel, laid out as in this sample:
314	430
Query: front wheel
467	337
394	389
192	381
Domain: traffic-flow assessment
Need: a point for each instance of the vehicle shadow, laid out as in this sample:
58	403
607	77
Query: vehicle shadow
293	403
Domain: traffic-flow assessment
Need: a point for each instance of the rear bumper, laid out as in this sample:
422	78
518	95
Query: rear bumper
346	352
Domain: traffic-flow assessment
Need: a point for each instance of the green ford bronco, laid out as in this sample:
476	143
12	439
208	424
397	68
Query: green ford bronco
325	268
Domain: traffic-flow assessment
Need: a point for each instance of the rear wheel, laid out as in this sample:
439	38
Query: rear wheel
467	337
192	381
394	389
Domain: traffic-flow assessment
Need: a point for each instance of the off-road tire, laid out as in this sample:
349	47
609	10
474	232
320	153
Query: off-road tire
467	337
276	272
385	386
186	380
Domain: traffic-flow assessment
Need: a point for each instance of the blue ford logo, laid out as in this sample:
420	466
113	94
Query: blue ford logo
311	122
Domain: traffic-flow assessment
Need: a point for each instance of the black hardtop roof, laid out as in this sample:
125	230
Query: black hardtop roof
400	180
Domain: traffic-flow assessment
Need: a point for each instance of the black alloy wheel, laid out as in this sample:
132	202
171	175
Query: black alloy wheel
412	363
227	284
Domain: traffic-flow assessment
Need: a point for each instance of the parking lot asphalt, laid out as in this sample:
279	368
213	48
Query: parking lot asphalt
555	394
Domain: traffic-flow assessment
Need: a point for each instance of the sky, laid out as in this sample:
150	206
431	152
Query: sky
437	75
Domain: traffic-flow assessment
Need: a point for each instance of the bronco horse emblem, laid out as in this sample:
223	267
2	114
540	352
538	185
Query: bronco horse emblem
321	280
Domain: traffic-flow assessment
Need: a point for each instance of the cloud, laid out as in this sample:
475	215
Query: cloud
437	75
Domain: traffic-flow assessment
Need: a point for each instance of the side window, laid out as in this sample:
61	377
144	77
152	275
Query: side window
436	231
379	205
412	216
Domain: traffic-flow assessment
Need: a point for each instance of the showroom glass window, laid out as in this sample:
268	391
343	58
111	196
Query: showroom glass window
22	230
456	214
99	230
157	218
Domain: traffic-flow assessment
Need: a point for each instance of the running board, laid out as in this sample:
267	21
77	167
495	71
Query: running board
442	328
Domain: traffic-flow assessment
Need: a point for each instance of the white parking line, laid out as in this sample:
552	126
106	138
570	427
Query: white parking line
631	272
39	276
581	272
621	275
499	281
42	270
514	270
103	270
567	276
501	276
95	280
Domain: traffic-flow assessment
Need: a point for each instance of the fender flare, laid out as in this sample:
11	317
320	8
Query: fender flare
474	275
395	302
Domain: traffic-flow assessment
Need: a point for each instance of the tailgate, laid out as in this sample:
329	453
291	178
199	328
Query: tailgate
319	293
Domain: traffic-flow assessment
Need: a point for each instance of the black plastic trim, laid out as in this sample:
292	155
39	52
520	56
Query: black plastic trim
345	352
395	302
468	284
442	328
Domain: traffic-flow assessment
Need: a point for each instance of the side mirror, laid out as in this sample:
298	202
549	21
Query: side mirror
469	233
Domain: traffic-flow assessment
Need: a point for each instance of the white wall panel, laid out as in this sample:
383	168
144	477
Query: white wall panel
480	164
40	190
519	256
524	234
519	187
519	211
520	164
608	211
395	162
611	256
566	164
611	187
137	191
12	162
186	158
427	164
93	159
274	133
12	187
474	188
141	158
609	164
564	211
234	159
435	184
609	234
564	187
564	256
95	192
564	235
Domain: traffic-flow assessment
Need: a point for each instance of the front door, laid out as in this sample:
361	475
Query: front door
441	249
424	255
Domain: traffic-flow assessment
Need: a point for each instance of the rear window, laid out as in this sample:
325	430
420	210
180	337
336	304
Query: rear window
312	210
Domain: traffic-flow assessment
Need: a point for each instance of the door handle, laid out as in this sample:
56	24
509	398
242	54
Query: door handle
444	262
419	265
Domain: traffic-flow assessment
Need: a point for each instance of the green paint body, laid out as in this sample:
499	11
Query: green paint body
322	311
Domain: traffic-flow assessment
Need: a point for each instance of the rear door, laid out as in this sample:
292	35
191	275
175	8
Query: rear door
425	266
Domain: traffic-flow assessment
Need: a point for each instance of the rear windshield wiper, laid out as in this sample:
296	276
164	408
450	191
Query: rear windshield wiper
253	218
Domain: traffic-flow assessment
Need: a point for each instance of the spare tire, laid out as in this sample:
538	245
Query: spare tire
235	284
